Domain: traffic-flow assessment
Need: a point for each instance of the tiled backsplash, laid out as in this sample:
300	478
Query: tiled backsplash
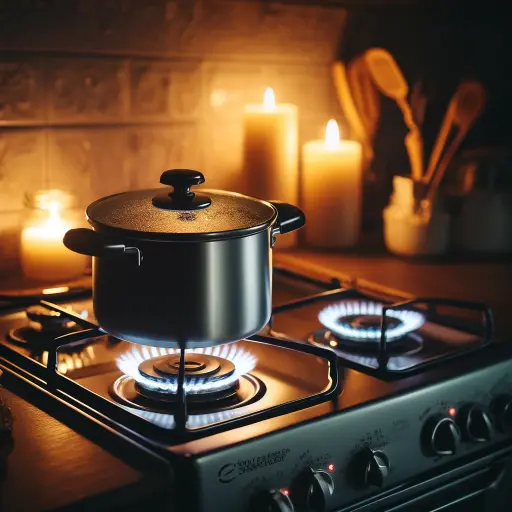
102	96
125	89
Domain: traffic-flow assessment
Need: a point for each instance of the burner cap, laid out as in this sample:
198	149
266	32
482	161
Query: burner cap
368	321
197	366
207	371
360	321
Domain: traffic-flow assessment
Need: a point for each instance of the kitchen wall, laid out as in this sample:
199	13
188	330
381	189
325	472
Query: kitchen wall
100	96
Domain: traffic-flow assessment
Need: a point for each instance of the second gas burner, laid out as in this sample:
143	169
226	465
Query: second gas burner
359	321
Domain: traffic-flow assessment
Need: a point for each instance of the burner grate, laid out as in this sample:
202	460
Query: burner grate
387	361
184	427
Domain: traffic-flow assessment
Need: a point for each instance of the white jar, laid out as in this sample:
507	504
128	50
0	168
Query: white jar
411	233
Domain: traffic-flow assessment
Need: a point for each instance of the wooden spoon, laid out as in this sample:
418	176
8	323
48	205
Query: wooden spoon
469	104
472	90
350	110
346	100
366	95
441	139
390	80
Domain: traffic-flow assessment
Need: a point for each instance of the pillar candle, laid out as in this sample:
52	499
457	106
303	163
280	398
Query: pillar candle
43	255
332	190
271	154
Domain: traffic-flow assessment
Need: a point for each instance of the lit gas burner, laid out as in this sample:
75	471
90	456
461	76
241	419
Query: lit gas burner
198	367
215	378
360	321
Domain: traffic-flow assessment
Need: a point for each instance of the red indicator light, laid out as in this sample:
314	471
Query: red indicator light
452	411
331	467
286	492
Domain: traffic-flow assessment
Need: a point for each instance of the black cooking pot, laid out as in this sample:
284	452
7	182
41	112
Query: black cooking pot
175	269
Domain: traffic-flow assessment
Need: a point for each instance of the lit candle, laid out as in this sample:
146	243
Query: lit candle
43	255
331	190
271	154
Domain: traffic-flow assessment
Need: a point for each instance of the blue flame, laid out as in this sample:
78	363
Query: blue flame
331	317
129	363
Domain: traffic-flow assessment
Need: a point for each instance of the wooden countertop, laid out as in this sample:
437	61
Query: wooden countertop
487	282
52	466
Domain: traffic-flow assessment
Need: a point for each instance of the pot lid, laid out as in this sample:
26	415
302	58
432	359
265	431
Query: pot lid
179	213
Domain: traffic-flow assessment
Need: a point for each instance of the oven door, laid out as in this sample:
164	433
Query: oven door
483	484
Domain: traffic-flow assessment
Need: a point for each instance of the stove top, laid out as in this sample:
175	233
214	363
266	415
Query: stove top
340	375
384	335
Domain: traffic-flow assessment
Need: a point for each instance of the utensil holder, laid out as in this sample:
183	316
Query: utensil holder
409	232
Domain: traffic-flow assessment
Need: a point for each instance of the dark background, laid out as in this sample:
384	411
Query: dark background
441	44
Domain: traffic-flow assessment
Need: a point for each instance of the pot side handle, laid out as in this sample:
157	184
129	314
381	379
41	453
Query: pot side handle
91	243
289	218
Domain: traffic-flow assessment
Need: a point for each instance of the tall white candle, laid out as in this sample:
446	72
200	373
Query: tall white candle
332	190
271	154
43	255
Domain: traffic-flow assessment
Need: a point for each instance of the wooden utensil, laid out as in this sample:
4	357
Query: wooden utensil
351	112
441	139
475	92
418	103
366	95
346	101
390	80
468	105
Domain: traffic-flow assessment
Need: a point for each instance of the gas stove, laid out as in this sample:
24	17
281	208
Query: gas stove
350	398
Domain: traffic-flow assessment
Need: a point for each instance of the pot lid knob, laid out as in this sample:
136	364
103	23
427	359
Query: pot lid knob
181	197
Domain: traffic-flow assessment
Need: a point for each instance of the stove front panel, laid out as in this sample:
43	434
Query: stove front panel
366	450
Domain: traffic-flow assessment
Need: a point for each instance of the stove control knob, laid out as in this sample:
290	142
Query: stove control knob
501	408
274	500
312	489
475	423
441	436
376	467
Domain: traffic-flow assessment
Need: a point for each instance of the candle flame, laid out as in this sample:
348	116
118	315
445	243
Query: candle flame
332	134
269	99
53	208
53	226
43	254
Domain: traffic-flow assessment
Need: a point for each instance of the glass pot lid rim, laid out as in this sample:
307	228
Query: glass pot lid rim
133	214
